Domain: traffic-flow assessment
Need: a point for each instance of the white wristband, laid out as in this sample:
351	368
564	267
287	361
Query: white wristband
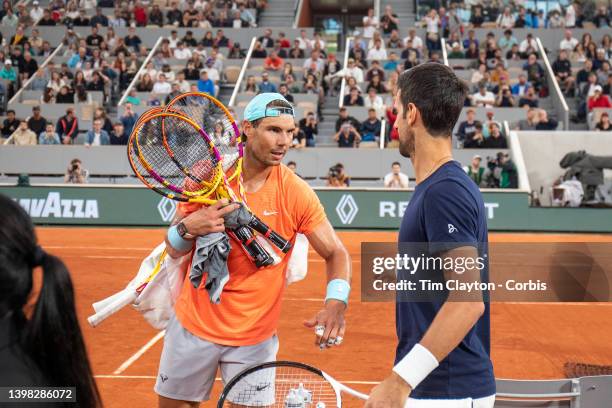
416	365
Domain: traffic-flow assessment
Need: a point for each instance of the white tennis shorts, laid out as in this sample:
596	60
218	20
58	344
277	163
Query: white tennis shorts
188	364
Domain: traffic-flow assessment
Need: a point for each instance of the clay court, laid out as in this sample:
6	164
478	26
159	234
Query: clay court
529	341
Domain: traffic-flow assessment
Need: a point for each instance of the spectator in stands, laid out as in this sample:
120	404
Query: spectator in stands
583	75
389	21
161	86
378	52
562	68
129	118
495	140
529	99
521	86
336	177
238	53
97	136
504	98
528	47
607	88
265	85
455	51
293	167
396	179
48	136
568	43
251	86
468	127
65	95
598	99
133	98
46	19
22	136
353	98
476	139
483	98
370	128
603	73
283	90
374	101
10	19
432	22
477	18
344	117
555	20
273	62
75	173
602	18
394	41
604	123
99	18
156	17
531	121
9	75
535	73
267	41
145	84
299	138
118	136
370	24
36	122
259	51
476	172
505	19
347	136
544	122
205	84
309	126
506	42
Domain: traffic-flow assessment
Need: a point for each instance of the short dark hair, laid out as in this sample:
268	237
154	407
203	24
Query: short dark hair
396	163
292	163
438	94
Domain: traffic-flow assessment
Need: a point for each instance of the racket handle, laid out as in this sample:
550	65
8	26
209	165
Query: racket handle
126	298
261	227
254	249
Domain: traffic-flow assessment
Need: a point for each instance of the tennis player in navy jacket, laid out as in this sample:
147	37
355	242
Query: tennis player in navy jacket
443	354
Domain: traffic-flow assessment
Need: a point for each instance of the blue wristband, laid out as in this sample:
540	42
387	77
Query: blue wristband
338	289
177	241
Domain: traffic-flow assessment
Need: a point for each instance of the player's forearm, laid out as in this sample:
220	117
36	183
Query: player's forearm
450	326
338	264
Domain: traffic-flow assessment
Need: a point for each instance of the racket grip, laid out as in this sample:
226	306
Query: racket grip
127	298
278	241
254	249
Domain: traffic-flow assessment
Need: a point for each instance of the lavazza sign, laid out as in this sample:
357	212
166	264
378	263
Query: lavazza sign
54	206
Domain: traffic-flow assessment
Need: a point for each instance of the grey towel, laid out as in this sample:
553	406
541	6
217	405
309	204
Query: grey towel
237	218
210	257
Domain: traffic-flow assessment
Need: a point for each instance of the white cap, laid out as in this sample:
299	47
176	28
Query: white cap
8	62
597	88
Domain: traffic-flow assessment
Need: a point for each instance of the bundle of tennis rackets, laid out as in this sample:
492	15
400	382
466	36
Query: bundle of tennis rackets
190	151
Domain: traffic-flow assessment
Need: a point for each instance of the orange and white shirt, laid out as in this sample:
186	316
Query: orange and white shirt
251	300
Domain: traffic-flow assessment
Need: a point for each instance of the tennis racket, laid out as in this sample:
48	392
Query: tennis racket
219	124
284	384
161	173
124	298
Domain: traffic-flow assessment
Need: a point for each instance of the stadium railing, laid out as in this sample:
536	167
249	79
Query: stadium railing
242	73
554	91
140	71
347	48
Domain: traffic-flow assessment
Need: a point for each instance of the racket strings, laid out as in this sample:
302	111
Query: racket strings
288	387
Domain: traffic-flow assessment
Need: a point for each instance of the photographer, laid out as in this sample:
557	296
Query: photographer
75	173
336	177
504	98
310	128
347	136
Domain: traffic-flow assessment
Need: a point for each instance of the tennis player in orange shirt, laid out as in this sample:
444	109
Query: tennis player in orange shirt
241	329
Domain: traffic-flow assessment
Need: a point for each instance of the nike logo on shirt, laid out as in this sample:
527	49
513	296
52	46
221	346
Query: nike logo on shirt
266	212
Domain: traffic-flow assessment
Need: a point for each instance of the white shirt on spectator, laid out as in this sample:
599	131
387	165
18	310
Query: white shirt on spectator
372	45
237	23
162	88
320	64
417	42
377	54
96	139
88	4
505	21
526	44
391	182
568	45
305	43
170	75
377	104
213	74
182	54
184	85
432	24
369	26
321	43
200	4
152	73
172	42
36	13
479	99
354	72
570	16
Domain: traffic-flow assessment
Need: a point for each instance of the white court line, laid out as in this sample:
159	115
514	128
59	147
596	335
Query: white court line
139	353
102	256
151	377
